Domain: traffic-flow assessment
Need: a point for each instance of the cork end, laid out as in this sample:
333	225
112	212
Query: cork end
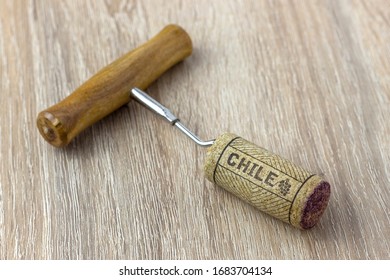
51	129
315	205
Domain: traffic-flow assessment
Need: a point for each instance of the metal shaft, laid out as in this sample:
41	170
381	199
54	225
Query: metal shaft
144	99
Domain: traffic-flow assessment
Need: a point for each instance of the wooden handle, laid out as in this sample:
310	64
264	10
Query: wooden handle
272	184
110	88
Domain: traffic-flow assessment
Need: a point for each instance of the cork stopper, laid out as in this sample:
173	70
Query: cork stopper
272	184
315	205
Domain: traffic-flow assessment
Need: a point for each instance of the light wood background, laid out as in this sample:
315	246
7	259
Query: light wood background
309	80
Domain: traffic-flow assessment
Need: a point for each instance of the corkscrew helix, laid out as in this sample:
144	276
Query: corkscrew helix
259	177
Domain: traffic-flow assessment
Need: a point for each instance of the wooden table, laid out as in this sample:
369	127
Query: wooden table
309	80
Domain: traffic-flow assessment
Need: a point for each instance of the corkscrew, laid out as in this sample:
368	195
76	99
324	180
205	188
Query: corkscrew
263	179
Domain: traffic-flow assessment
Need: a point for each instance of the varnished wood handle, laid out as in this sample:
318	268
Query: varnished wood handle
110	88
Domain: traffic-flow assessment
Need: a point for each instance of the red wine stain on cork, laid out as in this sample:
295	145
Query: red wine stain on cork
315	205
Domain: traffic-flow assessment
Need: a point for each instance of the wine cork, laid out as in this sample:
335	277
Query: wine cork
268	182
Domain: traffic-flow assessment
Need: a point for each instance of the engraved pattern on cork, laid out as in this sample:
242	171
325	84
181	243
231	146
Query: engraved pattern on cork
260	177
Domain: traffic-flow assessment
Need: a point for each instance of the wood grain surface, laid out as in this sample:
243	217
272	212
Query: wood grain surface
309	80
